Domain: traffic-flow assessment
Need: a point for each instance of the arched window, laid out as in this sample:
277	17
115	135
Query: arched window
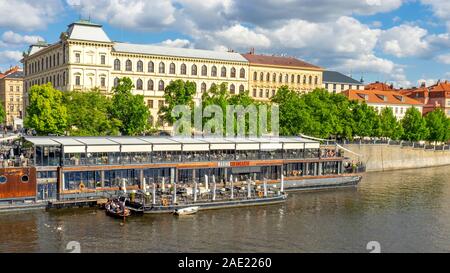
304	79
129	66
274	78
223	72
139	85
316	81
233	72
232	89
150	85
299	79
117	64
261	76
255	76
151	67
116	82
161	86
204	71
281	78
214	71
203	88
140	66
194	70
172	68
162	68
286	78
241	89
183	69
292	79
268	77
310	79
242	73
213	86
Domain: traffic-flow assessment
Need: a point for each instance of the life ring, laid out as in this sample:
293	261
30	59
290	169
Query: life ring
165	202
260	194
82	186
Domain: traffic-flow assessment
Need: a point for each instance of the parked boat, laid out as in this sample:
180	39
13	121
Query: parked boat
186	211
117	209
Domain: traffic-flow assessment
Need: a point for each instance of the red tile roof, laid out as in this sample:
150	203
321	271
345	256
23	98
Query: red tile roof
379	86
278	61
380	97
442	87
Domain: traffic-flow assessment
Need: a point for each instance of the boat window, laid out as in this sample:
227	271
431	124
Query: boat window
3	179
25	179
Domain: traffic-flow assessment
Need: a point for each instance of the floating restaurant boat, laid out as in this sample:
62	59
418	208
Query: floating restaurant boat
57	171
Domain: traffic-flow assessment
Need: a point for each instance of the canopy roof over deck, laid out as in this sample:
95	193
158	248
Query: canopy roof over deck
158	144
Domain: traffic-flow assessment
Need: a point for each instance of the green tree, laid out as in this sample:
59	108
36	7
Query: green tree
177	93
2	113
88	114
46	112
390	126
414	125
438	125
129	109
366	120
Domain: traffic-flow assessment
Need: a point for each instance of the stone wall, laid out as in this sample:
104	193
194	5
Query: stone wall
389	157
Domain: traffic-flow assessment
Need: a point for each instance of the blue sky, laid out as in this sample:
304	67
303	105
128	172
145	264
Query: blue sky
398	41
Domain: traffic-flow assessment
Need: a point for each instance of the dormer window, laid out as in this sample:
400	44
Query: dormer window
382	97
363	96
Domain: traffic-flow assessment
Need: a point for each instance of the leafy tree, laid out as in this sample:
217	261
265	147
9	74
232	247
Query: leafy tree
365	120
46	112
390	126
438	125
177	93
88	114
129	109
414	125
2	113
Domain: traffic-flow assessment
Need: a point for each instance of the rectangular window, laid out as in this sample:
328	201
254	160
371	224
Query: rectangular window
103	82
77	80
160	104
103	59
77	58
150	104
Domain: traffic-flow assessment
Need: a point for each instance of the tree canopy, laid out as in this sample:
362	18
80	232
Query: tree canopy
88	114
414	125
129	109
46	113
438	126
2	113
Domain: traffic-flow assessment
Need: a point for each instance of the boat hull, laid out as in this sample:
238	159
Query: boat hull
135	208
324	183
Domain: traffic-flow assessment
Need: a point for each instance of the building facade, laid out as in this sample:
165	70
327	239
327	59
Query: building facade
380	99
268	73
85	58
336	82
11	97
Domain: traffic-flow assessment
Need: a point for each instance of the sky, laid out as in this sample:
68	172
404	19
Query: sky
404	42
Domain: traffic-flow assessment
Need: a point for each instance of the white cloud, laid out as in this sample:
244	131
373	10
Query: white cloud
10	38
404	41
440	8
129	14
180	43
28	15
443	58
10	57
428	82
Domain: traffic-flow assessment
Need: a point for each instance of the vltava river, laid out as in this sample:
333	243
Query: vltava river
405	211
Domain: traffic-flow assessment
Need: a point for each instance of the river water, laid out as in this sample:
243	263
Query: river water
405	211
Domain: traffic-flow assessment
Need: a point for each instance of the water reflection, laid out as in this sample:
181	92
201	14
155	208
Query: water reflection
406	211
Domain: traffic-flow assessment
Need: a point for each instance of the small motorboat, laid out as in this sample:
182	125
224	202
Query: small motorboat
116	208
186	211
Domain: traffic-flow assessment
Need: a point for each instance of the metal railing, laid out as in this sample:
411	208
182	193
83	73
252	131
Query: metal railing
401	143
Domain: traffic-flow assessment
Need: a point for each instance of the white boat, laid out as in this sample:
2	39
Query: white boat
186	211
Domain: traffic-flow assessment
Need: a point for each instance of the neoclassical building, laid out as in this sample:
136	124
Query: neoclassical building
85	58
268	73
